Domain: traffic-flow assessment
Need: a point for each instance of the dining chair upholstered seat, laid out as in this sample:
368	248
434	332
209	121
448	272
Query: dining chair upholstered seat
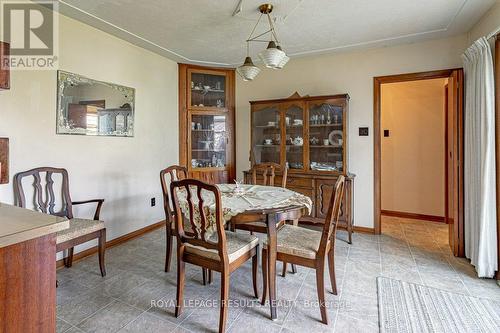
77	228
237	244
298	241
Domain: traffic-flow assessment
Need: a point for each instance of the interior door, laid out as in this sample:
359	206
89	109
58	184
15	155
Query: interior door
454	162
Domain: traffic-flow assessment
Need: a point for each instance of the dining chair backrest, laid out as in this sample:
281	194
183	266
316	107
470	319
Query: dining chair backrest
168	175
268	170
50	192
332	217
200	216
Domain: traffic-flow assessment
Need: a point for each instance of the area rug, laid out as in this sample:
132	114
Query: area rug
408	307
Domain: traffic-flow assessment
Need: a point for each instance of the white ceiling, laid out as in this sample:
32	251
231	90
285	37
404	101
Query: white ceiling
204	31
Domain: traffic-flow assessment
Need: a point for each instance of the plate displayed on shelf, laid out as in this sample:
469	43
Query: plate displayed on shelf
336	138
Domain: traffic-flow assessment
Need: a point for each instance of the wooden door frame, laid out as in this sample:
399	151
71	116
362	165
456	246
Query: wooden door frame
377	111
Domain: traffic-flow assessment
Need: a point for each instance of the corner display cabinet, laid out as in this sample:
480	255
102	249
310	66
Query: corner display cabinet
206	122
309	135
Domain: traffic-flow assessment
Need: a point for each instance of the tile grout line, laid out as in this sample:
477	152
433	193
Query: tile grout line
294	301
337	313
412	256
452	267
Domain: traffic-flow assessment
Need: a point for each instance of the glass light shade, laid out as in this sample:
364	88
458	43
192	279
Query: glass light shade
248	71
284	61
272	56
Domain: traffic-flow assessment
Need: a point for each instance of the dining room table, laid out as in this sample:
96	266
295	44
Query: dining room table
243	203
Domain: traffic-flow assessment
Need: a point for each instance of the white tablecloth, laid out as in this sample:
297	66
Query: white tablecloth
244	198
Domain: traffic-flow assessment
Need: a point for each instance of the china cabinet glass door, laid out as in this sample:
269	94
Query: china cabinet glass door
294	135
207	90
326	125
266	134
208	141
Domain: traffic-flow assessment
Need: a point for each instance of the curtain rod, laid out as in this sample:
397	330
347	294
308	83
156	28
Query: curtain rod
494	33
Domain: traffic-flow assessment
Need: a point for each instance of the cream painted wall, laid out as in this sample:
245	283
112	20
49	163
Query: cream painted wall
351	73
487	24
413	154
124	171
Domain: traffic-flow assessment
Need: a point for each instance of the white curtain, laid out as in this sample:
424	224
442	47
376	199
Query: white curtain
479	159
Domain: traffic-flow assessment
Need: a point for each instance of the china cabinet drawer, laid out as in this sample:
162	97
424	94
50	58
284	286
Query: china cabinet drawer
299	182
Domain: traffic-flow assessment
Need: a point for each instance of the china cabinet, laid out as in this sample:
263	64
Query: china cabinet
206	122
309	135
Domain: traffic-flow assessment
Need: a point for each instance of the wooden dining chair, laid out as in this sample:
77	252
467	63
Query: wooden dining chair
309	248
45	200
222	251
168	175
268	171
174	173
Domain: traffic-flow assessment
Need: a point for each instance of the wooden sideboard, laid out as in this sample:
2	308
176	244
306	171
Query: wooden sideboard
319	187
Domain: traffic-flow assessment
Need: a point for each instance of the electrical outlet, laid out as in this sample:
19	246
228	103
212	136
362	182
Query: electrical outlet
363	131
153	202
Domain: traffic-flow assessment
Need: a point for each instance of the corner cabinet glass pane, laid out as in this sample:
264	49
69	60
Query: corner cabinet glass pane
266	134
294	129
326	137
208	90
208	141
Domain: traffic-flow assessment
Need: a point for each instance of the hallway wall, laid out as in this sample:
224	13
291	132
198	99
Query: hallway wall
413	154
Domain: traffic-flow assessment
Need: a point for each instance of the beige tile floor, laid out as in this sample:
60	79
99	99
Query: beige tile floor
137	296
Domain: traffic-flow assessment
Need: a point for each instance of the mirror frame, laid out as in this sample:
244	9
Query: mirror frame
64	79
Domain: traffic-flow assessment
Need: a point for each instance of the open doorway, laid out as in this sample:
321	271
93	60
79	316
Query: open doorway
418	125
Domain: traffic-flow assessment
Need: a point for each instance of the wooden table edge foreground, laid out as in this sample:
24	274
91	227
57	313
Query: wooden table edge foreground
28	269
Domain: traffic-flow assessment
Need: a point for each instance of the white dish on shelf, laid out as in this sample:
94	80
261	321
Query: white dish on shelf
336	138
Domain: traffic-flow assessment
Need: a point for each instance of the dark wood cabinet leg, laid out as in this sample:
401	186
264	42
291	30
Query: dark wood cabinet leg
68	261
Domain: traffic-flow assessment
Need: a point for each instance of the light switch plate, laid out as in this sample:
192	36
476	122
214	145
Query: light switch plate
363	131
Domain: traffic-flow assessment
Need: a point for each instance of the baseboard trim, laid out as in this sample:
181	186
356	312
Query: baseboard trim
114	242
364	230
413	216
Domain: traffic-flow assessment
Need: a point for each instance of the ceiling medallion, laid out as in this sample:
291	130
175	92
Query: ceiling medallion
273	56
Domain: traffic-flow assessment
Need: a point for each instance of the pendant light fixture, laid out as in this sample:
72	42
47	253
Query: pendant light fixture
248	71
273	56
283	61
